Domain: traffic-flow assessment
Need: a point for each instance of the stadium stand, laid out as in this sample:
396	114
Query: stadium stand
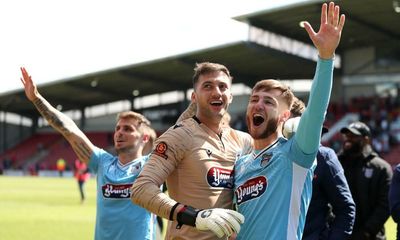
41	151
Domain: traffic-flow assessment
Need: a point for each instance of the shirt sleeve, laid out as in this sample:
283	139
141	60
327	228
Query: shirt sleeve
381	213
337	193
308	134
97	156
170	148
394	195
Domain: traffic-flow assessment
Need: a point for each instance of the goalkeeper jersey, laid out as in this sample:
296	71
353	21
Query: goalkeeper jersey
117	217
197	165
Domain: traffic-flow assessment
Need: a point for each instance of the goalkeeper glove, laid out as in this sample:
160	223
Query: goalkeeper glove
218	220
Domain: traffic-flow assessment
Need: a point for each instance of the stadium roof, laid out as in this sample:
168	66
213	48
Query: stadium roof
247	61
368	23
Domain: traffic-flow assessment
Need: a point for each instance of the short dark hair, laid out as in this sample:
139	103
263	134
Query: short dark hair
208	67
270	84
298	107
141	120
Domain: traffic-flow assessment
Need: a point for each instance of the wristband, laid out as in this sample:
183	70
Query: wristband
187	215
171	214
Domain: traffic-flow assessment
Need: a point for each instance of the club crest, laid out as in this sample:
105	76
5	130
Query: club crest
265	159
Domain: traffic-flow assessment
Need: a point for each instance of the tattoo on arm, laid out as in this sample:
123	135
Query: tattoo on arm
49	113
66	126
82	150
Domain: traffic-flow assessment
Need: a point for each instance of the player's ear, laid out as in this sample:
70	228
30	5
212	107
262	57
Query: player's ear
230	98
193	97
285	115
145	138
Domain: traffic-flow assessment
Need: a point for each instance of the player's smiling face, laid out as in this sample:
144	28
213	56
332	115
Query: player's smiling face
127	137
263	113
212	95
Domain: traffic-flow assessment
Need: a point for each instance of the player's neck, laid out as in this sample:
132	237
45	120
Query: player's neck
125	158
214	124
262	143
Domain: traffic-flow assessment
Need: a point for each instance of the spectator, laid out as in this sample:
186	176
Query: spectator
368	177
82	175
61	166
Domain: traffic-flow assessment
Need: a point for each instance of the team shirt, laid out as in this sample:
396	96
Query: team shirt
197	165
117	217
273	186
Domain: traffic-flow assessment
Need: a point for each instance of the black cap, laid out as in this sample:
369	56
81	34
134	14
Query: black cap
357	128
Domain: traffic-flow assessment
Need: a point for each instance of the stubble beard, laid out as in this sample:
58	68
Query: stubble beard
271	128
355	149
124	150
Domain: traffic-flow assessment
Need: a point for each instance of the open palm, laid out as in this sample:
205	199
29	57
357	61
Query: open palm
30	88
327	38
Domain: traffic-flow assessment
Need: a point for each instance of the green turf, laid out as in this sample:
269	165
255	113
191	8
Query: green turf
45	208
49	209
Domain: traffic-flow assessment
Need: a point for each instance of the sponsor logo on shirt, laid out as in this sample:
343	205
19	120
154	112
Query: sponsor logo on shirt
251	189
220	177
160	150
116	190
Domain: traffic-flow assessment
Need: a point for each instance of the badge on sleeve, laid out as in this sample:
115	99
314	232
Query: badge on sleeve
161	149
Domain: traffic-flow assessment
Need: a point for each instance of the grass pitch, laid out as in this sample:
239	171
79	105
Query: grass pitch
44	208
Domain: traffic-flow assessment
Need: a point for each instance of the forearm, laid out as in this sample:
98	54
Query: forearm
55	118
148	195
340	198
338	233
146	190
66	126
309	131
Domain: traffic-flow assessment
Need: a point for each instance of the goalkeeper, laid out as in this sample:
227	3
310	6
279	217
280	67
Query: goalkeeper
196	158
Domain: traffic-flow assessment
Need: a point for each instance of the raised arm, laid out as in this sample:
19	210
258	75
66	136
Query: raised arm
326	41
59	121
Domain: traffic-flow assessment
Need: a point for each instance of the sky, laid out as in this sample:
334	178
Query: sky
61	39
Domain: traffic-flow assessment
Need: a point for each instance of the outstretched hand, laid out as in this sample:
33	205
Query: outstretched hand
30	88
327	38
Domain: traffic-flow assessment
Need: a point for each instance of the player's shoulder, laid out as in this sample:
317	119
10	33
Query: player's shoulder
181	131
240	133
186	125
245	158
